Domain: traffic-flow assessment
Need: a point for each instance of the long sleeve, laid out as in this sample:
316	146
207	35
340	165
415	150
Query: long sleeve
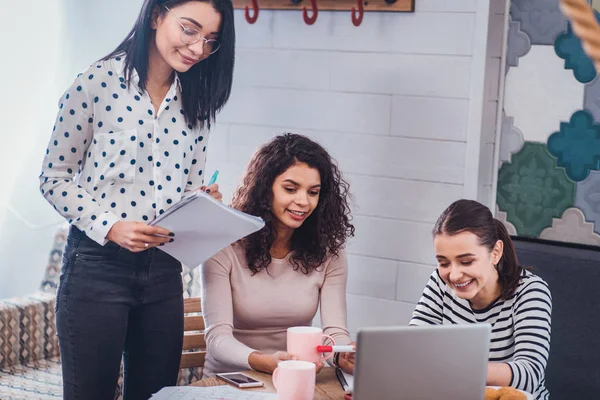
532	322
217	306
65	155
429	309
333	300
196	172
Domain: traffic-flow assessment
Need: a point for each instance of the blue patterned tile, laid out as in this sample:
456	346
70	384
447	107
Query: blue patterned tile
577	145
568	47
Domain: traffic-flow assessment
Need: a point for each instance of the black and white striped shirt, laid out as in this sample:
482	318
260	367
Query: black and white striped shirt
520	326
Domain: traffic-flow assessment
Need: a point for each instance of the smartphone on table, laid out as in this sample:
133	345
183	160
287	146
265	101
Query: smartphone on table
240	380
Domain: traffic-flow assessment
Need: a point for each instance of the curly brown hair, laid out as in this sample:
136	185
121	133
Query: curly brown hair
323	233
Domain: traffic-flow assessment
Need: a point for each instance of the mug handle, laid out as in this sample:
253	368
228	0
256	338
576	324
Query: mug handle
332	343
274	378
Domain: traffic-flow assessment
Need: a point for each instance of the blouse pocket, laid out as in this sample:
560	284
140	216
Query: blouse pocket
115	156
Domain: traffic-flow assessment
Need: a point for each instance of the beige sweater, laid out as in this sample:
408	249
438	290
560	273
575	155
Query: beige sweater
246	313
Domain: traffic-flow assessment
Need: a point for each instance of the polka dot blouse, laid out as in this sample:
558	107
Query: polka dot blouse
112	158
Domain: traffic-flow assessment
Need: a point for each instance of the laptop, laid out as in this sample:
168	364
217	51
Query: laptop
422	362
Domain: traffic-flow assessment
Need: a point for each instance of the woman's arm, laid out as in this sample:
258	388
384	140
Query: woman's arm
498	374
333	300
66	152
429	309
217	308
532	320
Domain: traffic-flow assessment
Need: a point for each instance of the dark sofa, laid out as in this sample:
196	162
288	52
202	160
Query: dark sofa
573	274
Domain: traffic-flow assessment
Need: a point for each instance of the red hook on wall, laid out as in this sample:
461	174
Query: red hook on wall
357	20
315	10
253	19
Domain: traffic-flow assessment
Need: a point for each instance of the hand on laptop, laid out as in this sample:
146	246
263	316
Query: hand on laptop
347	360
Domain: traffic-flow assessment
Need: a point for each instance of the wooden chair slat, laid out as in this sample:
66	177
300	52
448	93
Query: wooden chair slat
193	323
194	341
192	305
191	360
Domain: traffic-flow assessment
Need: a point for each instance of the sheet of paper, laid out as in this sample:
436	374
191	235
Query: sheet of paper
210	393
349	380
203	226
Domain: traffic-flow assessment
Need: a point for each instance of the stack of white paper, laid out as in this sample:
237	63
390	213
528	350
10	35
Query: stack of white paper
203	226
210	393
349	380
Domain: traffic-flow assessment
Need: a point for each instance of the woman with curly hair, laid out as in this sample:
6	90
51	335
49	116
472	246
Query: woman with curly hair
279	276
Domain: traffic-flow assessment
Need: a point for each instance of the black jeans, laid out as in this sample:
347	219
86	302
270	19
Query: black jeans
113	303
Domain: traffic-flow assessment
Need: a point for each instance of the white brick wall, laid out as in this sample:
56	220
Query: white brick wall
392	100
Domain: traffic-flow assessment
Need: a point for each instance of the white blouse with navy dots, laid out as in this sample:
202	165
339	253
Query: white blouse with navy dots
112	158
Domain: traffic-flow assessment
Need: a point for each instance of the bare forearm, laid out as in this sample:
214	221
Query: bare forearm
258	362
498	374
267	362
262	362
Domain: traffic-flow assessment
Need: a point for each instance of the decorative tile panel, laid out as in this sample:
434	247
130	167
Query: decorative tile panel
591	99
568	47
572	227
501	216
511	139
587	198
532	191
542	20
519	44
577	145
540	94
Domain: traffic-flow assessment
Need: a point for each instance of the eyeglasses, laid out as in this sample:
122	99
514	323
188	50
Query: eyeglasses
190	36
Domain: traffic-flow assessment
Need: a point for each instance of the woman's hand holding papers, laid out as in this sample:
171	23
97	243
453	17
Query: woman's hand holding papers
138	236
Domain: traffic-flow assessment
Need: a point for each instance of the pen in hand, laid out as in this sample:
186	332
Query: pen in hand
213	179
336	349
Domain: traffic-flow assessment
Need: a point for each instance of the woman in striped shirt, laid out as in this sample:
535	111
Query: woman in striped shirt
478	280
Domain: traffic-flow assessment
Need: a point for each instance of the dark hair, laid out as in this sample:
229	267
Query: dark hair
324	232
206	87
471	216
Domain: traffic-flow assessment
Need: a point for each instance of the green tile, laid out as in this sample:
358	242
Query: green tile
532	190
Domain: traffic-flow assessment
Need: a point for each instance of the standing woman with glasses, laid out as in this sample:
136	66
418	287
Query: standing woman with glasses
129	141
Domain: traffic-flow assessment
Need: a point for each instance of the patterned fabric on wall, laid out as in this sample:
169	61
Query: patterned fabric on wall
549	172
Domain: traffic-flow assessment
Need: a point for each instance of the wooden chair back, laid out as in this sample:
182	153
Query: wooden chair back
194	344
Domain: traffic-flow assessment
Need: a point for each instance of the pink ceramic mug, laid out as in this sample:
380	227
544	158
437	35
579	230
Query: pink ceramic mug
295	380
302	342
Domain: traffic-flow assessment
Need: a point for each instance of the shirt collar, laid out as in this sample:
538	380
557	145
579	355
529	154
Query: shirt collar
119	63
